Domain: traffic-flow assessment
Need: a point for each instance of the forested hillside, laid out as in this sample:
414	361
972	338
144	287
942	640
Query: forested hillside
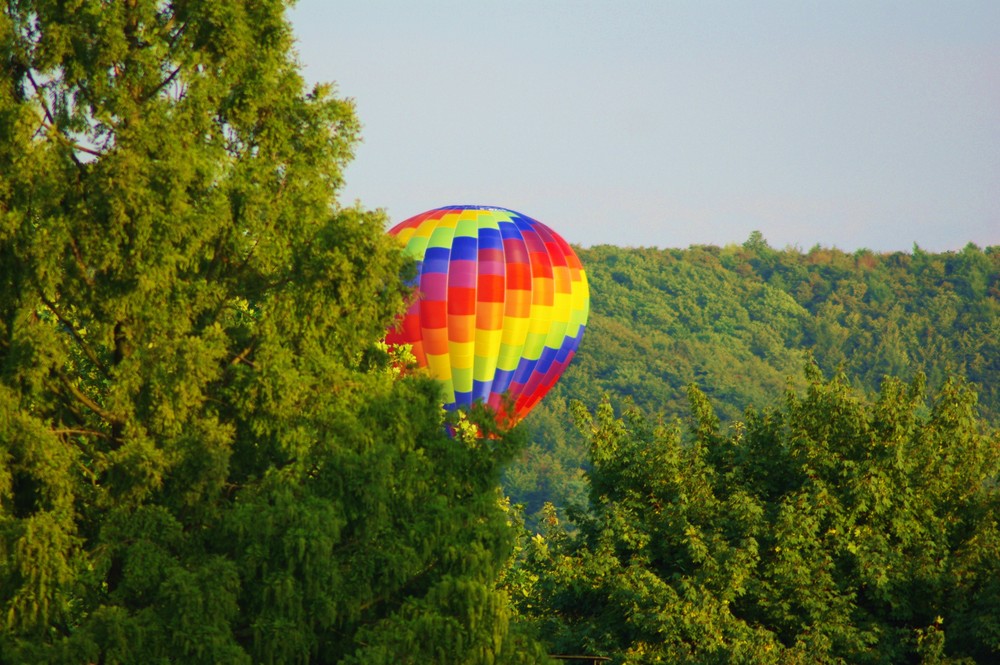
742	321
208	454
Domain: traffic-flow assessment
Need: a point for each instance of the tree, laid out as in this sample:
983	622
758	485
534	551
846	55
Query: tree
204	454
742	319
832	529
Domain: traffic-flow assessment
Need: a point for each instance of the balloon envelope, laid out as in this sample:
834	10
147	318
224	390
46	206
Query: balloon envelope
502	302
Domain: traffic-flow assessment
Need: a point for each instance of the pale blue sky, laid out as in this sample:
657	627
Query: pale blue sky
843	123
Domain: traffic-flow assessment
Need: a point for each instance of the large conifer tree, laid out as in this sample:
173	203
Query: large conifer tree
203	454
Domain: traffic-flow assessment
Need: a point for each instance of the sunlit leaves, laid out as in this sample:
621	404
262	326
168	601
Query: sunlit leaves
833	529
205	455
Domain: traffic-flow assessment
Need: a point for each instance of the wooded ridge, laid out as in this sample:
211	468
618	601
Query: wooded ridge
741	322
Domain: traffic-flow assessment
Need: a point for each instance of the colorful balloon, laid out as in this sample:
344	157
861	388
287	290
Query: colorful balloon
502	302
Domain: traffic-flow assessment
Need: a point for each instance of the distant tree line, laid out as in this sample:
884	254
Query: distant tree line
741	322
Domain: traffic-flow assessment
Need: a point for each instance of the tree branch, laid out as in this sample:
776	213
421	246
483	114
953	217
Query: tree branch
71	143
84	269
82	398
90	353
69	431
155	91
241	357
40	96
50	122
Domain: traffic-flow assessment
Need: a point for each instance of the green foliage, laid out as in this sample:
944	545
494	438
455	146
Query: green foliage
205	457
829	529
741	321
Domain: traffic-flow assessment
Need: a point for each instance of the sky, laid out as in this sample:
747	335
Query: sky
849	124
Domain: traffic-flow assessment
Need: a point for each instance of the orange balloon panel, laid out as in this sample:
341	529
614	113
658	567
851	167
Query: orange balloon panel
502	302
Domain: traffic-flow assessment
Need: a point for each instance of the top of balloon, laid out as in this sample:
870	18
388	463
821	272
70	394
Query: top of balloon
502	302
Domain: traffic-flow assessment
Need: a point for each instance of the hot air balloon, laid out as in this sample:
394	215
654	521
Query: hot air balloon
501	305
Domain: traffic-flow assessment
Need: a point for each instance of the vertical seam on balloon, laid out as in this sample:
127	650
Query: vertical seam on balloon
446	359
537	314
540	383
458	324
519	349
535	386
490	356
498	405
